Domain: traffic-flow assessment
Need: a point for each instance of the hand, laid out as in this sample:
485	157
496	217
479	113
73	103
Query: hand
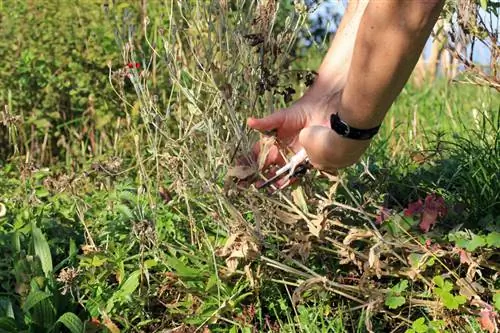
306	124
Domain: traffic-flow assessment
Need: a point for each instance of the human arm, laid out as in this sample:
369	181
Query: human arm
389	40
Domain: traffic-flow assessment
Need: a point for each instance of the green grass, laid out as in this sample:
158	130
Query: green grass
132	225
145	262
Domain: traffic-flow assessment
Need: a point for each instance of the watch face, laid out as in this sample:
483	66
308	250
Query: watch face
339	126
345	129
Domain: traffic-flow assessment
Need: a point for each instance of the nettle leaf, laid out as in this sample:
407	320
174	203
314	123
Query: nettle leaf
394	302
476	242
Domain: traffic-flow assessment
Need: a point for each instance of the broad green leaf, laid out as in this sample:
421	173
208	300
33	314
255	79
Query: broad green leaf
72	322
452	302
493	239
42	249
16	242
8	325
484	4
460	299
419	325
476	242
98	260
400	287
447	286
150	263
181	269
44	313
34	297
496	300
131	284
438	280
394	302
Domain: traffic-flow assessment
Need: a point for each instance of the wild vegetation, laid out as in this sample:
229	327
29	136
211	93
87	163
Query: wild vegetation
122	207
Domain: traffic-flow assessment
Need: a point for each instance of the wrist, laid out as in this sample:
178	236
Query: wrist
344	129
358	114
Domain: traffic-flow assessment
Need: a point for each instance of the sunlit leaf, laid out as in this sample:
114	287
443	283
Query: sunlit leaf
496	300
394	302
131	284
493	239
240	171
476	242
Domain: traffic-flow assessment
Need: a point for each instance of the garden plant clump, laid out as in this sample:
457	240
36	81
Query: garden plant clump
123	207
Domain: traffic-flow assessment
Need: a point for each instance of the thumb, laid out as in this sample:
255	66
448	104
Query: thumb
271	122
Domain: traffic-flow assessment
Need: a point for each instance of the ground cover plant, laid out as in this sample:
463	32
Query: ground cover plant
121	205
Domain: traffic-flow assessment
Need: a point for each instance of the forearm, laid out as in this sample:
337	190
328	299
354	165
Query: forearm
389	40
334	68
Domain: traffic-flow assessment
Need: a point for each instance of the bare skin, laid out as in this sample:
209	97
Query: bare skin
359	78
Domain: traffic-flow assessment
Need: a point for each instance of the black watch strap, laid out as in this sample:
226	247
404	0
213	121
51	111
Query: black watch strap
342	128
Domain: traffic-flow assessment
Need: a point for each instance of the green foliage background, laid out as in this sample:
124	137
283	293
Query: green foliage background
77	148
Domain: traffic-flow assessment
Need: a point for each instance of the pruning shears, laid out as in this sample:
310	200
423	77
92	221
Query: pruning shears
297	165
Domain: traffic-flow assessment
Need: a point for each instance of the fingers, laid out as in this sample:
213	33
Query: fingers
268	123
327	150
273	156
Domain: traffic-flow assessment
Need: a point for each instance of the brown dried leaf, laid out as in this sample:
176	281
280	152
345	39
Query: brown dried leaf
317	225
110	325
238	246
374	259
299	198
266	143
241	171
249	275
300	245
487	320
307	285
469	289
357	234
287	217
232	264
348	257
225	251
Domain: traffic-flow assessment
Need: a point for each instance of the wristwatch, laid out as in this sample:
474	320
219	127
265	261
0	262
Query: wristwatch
343	129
